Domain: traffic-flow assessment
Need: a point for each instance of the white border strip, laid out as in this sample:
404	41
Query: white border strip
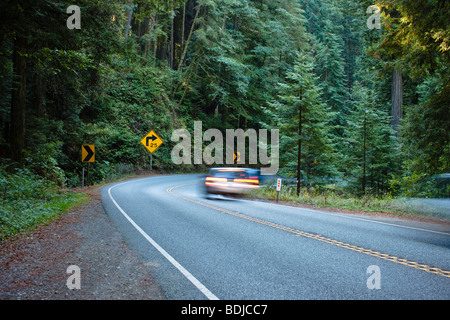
174	262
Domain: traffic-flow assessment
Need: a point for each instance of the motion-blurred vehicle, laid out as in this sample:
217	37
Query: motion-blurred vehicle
434	187
231	181
430	196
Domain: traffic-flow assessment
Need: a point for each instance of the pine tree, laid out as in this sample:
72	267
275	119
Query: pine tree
370	152
302	119
325	23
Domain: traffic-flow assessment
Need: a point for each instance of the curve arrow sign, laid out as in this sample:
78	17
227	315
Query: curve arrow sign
88	153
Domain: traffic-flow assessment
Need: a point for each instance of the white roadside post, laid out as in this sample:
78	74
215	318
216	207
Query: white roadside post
278	187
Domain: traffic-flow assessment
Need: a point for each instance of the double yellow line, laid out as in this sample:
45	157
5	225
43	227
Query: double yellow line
319	237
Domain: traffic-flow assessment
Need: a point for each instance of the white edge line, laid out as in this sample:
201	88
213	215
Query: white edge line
174	262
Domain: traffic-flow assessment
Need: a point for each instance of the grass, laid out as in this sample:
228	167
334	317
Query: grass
28	200
330	198
24	215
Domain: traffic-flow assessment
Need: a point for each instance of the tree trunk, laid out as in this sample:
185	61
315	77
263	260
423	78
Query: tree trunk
155	45
171	43
18	98
396	99
364	156
39	94
182	28
148	43
130	15
299	154
188	39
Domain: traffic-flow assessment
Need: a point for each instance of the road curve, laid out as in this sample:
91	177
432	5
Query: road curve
231	249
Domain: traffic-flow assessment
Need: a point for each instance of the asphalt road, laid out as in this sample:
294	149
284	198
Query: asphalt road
231	249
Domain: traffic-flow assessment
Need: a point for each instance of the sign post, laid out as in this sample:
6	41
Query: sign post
278	187
151	141
151	162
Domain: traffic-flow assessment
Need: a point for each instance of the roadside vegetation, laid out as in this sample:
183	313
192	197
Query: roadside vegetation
328	198
323	198
28	200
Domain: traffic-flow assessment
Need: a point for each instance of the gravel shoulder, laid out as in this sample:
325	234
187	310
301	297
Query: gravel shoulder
33	266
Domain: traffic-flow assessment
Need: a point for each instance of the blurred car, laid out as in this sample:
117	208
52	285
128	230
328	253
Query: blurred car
434	187
231	181
430	196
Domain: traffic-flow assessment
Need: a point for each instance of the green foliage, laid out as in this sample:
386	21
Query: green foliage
426	133
26	200
332	198
303	121
370	156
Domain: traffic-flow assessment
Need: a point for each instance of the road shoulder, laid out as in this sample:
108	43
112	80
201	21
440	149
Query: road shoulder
34	265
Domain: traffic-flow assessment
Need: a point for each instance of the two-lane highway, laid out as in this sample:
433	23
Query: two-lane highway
232	249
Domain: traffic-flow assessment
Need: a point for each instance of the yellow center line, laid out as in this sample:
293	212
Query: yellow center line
319	237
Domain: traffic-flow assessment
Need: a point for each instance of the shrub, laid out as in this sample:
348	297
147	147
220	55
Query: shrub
27	200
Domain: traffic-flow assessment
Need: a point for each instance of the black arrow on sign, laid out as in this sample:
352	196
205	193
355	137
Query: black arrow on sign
153	138
89	155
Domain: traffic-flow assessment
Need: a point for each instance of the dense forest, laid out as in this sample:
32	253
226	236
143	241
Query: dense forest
359	90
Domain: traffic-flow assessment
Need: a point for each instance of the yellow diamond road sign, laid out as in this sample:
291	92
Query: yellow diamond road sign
151	141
